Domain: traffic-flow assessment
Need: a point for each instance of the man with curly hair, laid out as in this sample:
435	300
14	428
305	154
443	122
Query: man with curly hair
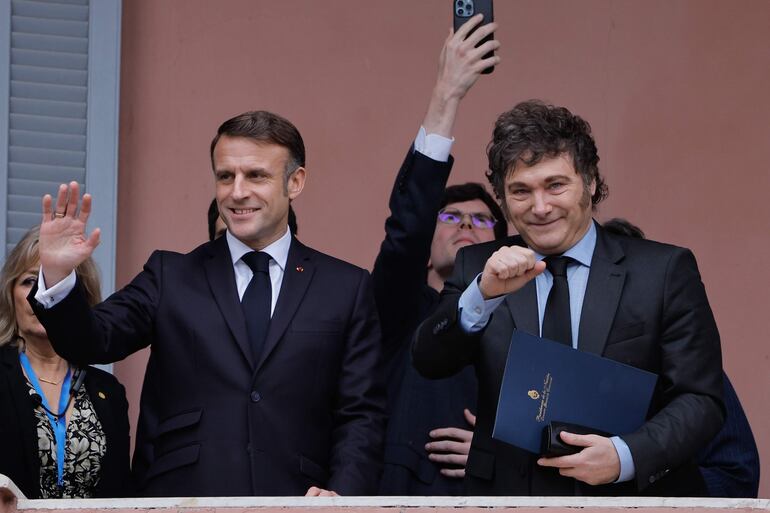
564	278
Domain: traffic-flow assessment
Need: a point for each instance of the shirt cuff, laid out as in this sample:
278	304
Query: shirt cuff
53	296
474	309
434	146
627	469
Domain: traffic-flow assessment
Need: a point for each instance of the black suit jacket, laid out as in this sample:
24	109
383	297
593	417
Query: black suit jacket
644	306
18	429
415	404
212	421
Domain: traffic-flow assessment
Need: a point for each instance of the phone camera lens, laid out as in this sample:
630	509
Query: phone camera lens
460	11
460	3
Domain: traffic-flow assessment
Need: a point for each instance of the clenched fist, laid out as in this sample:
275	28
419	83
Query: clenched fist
507	270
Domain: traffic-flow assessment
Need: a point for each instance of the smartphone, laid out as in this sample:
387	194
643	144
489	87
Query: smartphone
465	9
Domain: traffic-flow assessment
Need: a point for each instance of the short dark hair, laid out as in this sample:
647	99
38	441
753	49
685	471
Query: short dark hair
266	127
475	191
620	226
534	130
213	215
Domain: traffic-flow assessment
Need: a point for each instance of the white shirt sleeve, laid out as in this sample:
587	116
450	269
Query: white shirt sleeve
53	296
434	146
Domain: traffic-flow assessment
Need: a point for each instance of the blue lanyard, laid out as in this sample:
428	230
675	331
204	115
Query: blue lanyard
59	422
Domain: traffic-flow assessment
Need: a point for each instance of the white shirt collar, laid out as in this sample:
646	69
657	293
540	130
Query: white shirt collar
278	250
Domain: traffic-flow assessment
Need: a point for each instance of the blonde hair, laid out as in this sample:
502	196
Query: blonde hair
23	256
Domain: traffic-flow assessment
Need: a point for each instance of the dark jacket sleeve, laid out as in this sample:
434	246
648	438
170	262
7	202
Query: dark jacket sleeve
730	463
111	330
359	408
690	409
400	270
441	347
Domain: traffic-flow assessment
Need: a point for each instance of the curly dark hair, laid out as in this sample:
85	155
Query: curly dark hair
534	130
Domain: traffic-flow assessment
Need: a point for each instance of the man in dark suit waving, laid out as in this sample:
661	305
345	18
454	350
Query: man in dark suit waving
635	301
262	375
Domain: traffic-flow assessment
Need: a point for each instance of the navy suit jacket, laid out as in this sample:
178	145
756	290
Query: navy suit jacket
415	404
730	462
644	306
213	422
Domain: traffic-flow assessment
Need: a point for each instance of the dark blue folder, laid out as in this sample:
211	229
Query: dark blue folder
545	381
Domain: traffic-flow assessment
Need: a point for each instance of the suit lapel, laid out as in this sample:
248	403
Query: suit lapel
296	278
221	277
523	307
605	285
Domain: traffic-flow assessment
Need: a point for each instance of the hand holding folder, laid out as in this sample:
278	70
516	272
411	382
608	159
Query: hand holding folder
546	381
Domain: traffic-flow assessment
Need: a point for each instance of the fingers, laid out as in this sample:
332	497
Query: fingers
481	33
85	208
532	273
507	270
457	473
66	203
452	433
510	262
482	50
93	239
469	25
448	459
579	440
315	491
568	461
47	210
448	446
74	197
61	201
596	463
469	417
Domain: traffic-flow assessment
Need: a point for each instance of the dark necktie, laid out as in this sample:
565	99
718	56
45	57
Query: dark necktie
256	300
557	323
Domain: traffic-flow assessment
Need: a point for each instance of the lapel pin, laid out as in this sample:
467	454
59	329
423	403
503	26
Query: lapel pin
101	395
300	269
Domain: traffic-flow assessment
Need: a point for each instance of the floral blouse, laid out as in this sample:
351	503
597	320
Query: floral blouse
85	447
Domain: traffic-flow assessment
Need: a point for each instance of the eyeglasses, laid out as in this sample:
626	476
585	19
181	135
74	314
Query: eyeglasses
479	220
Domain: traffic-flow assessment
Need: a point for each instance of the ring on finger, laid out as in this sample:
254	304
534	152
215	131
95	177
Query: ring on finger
58	214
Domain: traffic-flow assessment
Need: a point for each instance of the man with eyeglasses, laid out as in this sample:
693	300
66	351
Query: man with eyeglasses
429	428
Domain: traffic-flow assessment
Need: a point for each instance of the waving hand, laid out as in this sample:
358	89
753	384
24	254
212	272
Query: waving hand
63	241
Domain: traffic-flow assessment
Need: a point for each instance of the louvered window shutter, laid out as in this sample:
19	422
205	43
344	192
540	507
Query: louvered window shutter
59	77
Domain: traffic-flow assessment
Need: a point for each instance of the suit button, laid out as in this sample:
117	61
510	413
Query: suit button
652	479
255	397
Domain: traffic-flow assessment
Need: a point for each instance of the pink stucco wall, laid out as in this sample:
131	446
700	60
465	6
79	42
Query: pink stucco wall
676	92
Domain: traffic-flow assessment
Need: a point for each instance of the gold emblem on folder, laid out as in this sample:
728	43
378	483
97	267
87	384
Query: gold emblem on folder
534	394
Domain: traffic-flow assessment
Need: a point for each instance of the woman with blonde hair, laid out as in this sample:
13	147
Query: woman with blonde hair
64	429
